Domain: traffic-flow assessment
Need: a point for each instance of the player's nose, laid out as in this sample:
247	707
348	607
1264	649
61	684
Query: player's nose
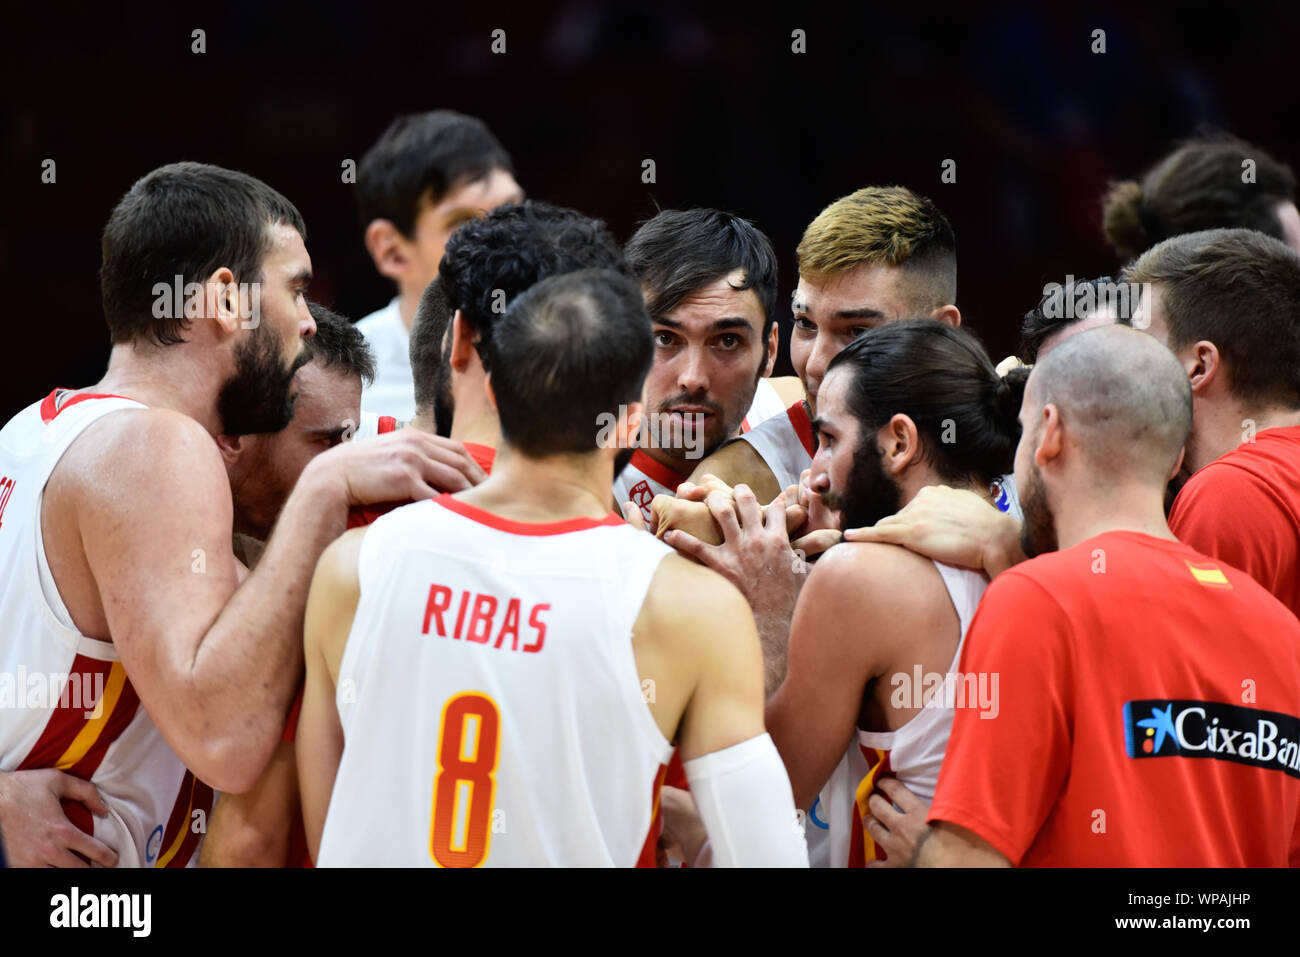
693	376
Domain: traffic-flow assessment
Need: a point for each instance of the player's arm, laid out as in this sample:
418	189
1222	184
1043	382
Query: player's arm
832	658
214	662
331	606
955	526
736	776
253	829
950	845
736	463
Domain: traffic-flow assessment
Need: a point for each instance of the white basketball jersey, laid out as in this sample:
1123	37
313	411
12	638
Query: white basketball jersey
643	478
912	753
785	443
65	700
491	707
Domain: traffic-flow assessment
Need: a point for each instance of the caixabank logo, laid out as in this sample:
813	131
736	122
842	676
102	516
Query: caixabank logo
1161	728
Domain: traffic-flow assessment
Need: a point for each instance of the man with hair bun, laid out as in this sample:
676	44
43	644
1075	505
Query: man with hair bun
891	404
1210	182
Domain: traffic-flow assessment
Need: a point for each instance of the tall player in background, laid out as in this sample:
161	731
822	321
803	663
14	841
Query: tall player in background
115	547
522	623
426	176
709	279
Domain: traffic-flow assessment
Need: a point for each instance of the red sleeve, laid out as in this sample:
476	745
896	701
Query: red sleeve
1232	515
291	723
1004	767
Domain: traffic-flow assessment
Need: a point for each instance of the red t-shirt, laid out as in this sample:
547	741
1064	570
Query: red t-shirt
1121	663
1244	509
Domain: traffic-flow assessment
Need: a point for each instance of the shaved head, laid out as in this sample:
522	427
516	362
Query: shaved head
1124	400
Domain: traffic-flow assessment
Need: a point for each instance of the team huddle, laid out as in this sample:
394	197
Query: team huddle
539	565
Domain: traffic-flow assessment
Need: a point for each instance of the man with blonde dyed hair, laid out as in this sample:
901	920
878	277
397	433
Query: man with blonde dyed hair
879	254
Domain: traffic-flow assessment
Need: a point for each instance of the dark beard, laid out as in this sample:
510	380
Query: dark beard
869	494
1038	533
258	398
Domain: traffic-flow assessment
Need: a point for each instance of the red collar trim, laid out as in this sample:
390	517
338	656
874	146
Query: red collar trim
50	406
798	415
524	528
655	470
484	455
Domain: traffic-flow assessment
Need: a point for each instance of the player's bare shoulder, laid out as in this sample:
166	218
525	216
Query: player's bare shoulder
887	581
736	462
165	444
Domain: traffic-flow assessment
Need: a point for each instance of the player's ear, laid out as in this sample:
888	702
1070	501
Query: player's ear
462	342
1051	438
232	447
947	314
390	250
220	300
1182	454
1203	364
773	345
902	443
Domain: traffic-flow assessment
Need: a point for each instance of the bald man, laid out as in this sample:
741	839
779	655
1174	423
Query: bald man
1148	689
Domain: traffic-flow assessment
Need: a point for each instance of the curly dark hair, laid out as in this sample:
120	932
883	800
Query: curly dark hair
491	261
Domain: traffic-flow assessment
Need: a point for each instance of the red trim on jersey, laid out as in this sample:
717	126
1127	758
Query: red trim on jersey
386	424
466	510
654	470
798	415
744	424
484	455
128	703
649	856
66	721
50	408
360	516
291	722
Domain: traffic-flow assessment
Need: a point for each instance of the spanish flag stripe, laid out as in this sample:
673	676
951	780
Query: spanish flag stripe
879	767
68	716
202	801
119	715
174	835
648	856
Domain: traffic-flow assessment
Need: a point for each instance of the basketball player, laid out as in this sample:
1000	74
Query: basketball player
426	176
1227	302
710	284
1147	686
1203	184
263	469
487	264
874	256
871	613
522	624
116	521
1068	309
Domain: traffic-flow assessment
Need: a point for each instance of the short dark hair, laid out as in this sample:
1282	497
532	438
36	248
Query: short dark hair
943	380
1240	290
680	251
572	350
490	261
1067	303
435	152
1198	186
186	220
428	329
339	344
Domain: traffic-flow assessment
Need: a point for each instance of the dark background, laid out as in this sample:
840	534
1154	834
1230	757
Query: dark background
1036	122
